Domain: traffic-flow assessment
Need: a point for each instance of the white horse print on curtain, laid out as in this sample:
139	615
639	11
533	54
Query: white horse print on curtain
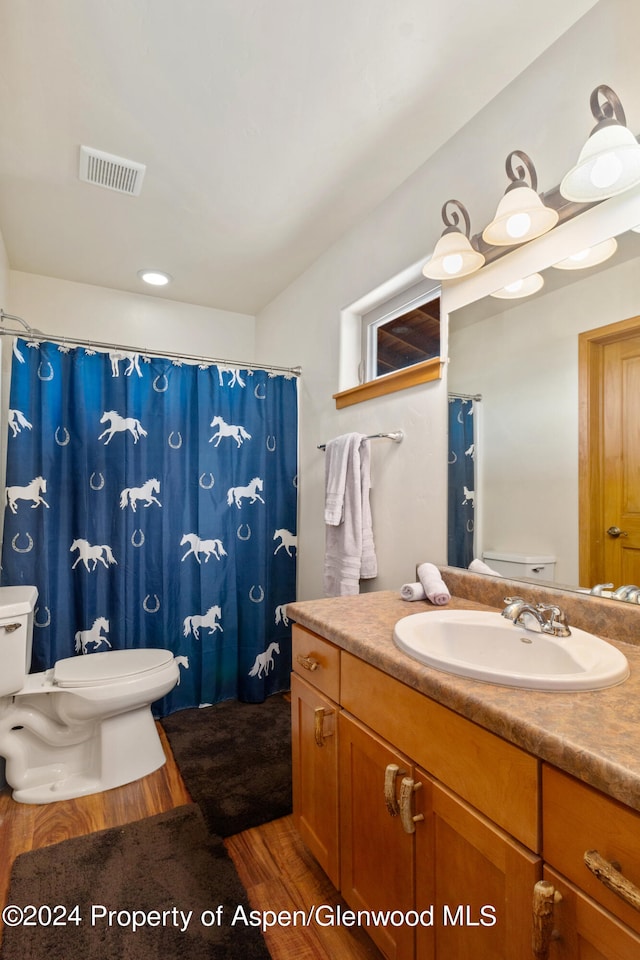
264	662
237	432
32	491
210	619
18	421
131	495
93	636
118	424
237	494
210	548
287	539
87	553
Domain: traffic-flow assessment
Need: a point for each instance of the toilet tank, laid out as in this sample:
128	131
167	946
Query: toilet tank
16	635
520	566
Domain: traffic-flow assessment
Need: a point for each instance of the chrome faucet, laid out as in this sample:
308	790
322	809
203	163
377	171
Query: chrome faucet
599	587
550	618
628	592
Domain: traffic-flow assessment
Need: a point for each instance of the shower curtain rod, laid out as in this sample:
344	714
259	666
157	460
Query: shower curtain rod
34	333
465	396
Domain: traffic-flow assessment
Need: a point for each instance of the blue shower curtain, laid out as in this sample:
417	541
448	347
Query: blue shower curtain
153	504
462	483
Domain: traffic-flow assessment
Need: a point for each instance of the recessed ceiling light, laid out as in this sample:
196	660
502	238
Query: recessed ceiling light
155	277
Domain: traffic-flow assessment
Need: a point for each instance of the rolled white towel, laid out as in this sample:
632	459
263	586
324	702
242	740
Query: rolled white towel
412	591
434	586
479	566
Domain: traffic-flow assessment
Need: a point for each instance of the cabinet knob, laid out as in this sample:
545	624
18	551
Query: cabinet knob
309	663
609	874
545	896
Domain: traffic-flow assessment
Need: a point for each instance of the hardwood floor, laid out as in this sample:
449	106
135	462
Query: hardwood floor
274	866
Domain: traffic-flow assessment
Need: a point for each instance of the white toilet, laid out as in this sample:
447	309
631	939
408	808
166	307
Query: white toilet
83	726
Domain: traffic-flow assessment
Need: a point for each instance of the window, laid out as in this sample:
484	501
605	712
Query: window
390	339
408	337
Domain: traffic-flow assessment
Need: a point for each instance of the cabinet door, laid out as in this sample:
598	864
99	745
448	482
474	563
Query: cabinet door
584	931
476	877
314	735
377	855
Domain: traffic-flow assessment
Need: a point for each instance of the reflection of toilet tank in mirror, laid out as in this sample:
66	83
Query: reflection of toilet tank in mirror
83	726
520	566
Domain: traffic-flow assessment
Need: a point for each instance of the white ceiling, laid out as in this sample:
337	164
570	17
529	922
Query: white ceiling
268	127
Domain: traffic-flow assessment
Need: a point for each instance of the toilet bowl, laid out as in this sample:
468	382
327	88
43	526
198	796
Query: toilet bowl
83	726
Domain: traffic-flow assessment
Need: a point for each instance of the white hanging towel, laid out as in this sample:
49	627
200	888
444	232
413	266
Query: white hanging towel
349	548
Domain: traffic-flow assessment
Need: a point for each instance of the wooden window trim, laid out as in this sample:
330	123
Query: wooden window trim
391	382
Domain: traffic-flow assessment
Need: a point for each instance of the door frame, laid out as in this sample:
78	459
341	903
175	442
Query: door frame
591	346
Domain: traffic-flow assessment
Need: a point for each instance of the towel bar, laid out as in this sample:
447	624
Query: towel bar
397	437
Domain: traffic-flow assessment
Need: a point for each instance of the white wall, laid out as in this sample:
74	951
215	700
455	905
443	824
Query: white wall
99	313
545	112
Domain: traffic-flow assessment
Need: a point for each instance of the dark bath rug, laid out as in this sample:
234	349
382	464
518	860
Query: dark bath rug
168	863
235	759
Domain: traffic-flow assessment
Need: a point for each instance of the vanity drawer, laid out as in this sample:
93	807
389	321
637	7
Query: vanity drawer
317	660
492	775
577	818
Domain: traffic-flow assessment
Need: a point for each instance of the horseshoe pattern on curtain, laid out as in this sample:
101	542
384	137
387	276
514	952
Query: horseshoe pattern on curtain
96	522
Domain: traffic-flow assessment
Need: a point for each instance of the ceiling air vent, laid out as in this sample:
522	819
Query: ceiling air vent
114	173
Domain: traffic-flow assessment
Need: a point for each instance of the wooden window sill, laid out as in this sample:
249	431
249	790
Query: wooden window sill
400	380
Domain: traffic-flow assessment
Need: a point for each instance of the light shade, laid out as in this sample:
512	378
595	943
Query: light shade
521	214
520	288
452	257
609	162
589	257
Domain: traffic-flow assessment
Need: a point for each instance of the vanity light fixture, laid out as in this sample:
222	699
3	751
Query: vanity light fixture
157	278
609	162
521	214
589	257
520	288
453	255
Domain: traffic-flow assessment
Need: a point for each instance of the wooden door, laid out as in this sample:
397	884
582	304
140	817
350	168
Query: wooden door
377	855
583	930
314	737
478	879
610	455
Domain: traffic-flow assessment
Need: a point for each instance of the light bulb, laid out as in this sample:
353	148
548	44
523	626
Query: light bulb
452	264
605	171
518	225
582	255
515	286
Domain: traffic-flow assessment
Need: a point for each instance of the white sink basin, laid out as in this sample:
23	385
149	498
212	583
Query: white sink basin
486	646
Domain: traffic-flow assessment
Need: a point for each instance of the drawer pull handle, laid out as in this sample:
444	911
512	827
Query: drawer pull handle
610	876
545	896
10	627
409	820
319	726
307	662
391	773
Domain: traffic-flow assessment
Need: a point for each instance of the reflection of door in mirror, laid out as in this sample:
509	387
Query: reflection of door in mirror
610	454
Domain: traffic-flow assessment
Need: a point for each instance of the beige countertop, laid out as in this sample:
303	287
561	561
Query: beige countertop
594	736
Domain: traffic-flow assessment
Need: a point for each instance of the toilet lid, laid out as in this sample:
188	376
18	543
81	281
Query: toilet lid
107	667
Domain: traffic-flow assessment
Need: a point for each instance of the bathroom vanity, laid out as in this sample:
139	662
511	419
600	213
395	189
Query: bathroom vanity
448	800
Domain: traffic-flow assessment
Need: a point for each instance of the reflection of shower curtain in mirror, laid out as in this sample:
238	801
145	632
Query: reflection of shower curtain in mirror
153	504
462	484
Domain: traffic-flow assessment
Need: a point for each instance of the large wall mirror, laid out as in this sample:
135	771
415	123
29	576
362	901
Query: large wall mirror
521	357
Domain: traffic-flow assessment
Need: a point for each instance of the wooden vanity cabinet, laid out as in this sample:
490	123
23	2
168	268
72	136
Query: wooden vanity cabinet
314	717
583	930
477	877
598	916
377	855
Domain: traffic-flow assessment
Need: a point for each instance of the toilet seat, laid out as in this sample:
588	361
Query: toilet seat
96	669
